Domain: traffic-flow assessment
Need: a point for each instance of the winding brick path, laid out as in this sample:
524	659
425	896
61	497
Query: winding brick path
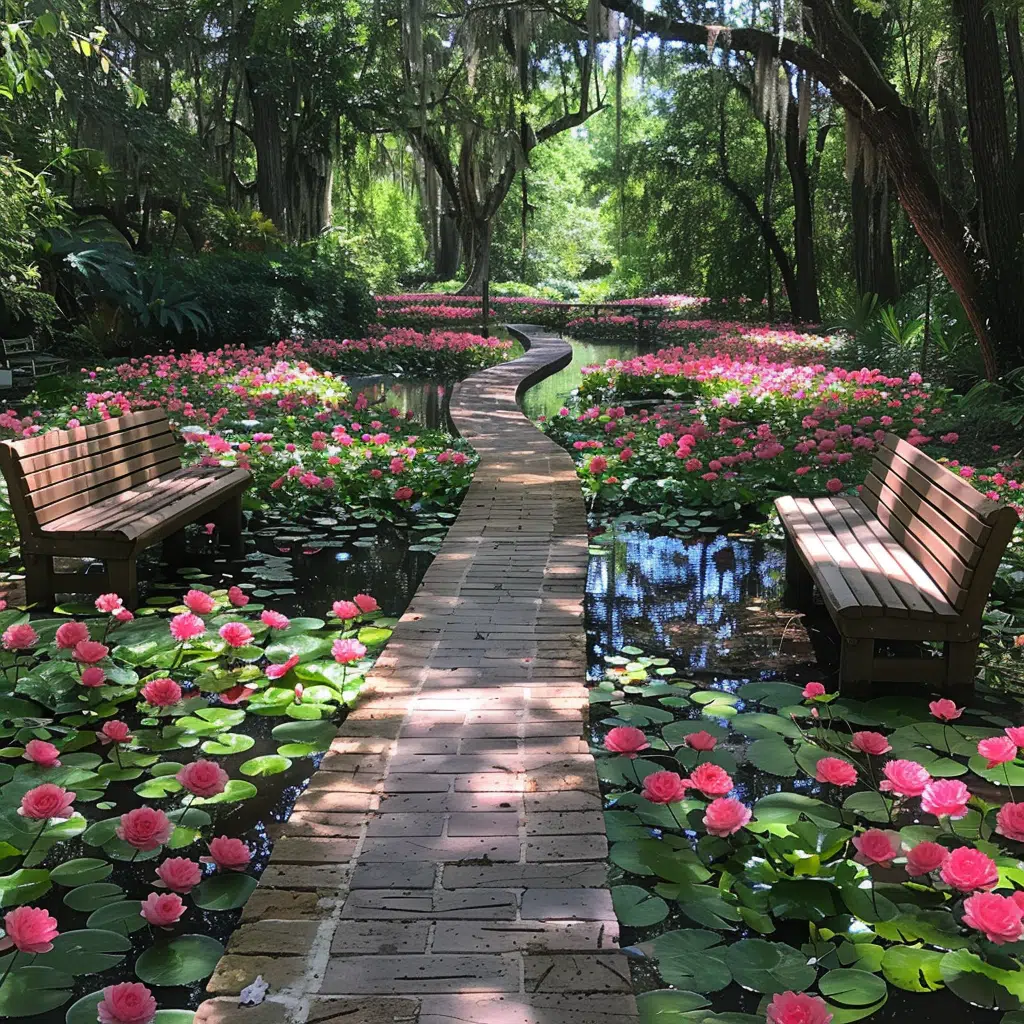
447	863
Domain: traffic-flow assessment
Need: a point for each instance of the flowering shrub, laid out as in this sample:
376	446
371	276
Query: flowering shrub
755	418
821	851
147	762
278	412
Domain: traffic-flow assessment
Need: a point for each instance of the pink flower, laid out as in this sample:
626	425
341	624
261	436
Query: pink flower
812	690
128	1003
347	651
836	771
598	464
200	602
203	778
346	609
664	788
873	743
904	778
1016	732
945	709
29	930
834	485
109	603
123	615
627	740
968	869
711	779
1010	822
925	858
237	597
145	828
229	854
701	741
47	801
998	750
724	816
403	494
945	798
162	910
70	634
41	753
93	676
114	732
179	874
279	671
366	604
876	846
798	1008
186	626
161	693
236	634
998	917
89	652
275	620
20	637
237	694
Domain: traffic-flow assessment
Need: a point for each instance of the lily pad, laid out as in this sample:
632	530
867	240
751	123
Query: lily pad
179	961
81	871
636	907
224	892
269	764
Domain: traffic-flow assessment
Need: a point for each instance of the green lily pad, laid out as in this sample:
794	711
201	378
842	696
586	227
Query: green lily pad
81	871
636	907
179	961
228	743
269	764
93	896
769	967
224	892
236	790
125	917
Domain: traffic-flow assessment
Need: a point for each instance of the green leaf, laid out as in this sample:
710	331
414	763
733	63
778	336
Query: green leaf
980	983
868	904
119	917
665	1005
636	907
692	959
775	695
87	951
23	886
32	990
159	788
224	892
318	733
869	805
934	927
236	790
851	988
773	755
786	808
179	961
707	906
228	743
269	764
913	968
81	871
93	896
769	967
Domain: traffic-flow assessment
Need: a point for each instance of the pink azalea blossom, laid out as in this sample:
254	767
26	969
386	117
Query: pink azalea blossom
625	739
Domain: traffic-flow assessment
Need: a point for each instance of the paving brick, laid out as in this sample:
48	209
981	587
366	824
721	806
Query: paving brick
381	937
545	876
406	824
233	973
525	936
368	1010
274	938
305	850
443	849
411	904
605	972
394	875
471	1008
561	823
283	905
324	824
325	877
591	847
564	904
483	824
227	1011
421	974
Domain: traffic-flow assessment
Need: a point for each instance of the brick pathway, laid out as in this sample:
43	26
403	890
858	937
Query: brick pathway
447	863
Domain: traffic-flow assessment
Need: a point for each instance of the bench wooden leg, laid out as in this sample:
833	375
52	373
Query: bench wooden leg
231	523
123	580
40	581
961	664
856	665
799	590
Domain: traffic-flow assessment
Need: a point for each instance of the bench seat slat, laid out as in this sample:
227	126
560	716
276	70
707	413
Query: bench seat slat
885	559
132	514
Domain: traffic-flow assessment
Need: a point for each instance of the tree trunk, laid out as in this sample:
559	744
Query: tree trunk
271	186
873	263
478	258
448	253
805	303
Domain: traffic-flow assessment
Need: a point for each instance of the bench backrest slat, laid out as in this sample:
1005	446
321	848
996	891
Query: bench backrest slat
939	518
60	472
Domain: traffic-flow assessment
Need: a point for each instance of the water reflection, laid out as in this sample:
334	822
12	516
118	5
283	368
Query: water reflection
712	605
423	401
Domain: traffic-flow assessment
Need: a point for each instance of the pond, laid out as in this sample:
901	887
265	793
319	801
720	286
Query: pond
689	641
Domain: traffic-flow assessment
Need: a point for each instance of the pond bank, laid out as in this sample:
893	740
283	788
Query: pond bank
476	890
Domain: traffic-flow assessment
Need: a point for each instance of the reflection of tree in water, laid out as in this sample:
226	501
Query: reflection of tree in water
693	600
427	400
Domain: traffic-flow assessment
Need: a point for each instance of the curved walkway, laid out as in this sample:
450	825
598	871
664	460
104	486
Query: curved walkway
447	863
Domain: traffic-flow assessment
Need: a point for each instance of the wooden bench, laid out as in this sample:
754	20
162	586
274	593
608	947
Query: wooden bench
912	559
108	490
